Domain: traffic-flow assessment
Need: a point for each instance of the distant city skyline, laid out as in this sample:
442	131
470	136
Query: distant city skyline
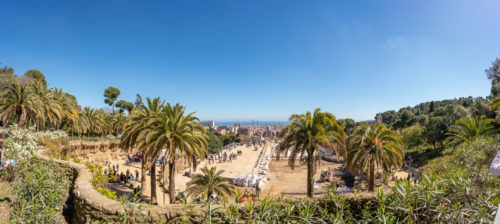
258	60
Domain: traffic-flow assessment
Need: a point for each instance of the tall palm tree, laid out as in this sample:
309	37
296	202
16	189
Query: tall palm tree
181	135
374	145
468	128
69	112
107	126
305	134
82	124
118	122
211	181
51	109
135	129
19	105
93	119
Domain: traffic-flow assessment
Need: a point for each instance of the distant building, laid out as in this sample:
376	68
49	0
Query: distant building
221	131
244	131
269	132
208	124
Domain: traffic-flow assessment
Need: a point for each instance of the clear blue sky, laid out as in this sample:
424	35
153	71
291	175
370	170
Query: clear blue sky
261	60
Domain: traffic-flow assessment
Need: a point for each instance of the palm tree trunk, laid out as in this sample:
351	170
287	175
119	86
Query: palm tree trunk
310	181
153	182
171	183
143	173
372	175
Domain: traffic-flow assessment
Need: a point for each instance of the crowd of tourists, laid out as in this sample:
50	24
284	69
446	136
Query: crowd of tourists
119	177
223	156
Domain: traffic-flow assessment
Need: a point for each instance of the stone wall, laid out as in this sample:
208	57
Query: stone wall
89	204
88	148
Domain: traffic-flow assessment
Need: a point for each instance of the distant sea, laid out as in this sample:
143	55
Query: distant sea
247	123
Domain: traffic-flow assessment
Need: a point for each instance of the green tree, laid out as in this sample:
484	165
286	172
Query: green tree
94	122
348	124
7	78
435	130
118	121
181	135
305	134
51	112
469	128
36	75
124	105
388	117
69	107
209	182
19	105
493	72
111	94
406	118
135	129
230	138
138	100
214	143
372	146
412	136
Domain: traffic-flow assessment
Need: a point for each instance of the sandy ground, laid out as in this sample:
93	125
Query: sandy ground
281	178
244	164
293	182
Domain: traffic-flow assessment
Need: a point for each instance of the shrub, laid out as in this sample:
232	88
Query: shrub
108	193
38	195
76	160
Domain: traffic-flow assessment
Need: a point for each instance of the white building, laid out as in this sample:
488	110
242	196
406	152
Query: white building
208	124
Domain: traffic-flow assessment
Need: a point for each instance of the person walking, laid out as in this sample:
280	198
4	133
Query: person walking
137	175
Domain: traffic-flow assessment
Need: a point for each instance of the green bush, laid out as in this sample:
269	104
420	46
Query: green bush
39	192
455	188
108	193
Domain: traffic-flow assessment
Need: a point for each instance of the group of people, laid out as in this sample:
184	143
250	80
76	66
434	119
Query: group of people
115	177
135	158
223	156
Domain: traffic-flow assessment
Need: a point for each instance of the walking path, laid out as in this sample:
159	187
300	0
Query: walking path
244	164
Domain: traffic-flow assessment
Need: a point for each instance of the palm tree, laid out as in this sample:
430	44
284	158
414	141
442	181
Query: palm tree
211	181
118	122
469	128
305	134
134	131
374	145
51	109
82	124
107	126
181	135
18	104
93	119
495	103
69	112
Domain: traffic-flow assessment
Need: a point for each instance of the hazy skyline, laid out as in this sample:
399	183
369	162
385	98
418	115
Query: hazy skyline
257	60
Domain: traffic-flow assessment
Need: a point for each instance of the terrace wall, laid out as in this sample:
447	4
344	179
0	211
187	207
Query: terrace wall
88	204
